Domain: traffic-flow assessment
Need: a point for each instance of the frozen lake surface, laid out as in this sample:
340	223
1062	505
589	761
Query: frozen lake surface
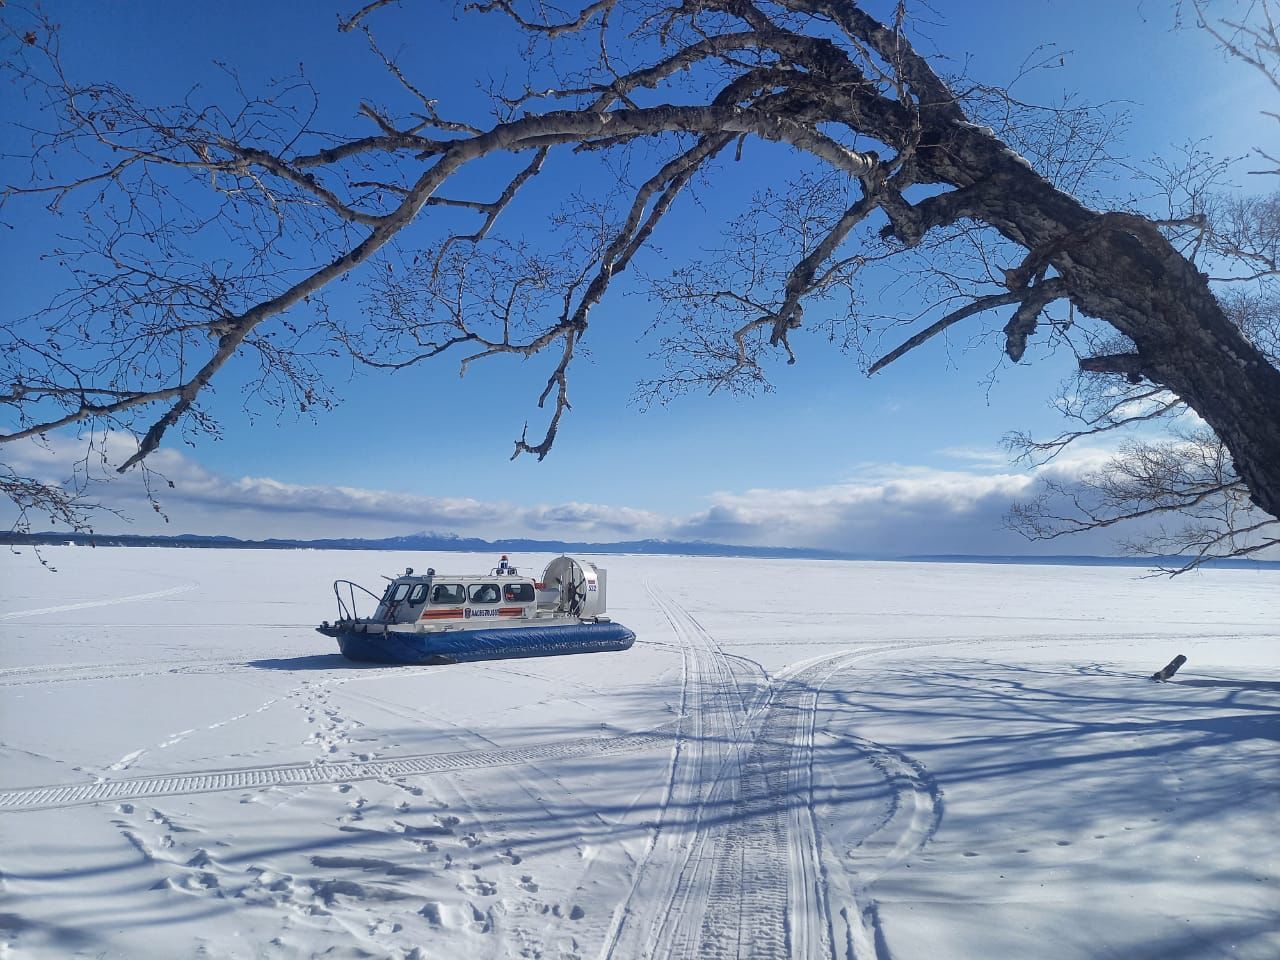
797	759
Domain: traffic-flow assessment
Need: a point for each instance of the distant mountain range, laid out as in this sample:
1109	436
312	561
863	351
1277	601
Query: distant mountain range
451	543
430	543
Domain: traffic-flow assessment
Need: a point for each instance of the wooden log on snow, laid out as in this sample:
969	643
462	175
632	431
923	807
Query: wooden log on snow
1170	669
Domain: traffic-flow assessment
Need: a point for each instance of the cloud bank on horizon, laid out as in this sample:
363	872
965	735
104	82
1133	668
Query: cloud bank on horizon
887	509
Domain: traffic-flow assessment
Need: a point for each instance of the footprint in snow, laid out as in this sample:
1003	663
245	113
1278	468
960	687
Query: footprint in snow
128	760
483	919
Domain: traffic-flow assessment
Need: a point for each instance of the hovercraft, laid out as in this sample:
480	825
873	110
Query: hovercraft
439	618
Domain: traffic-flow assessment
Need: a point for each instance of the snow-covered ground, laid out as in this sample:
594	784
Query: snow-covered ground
803	759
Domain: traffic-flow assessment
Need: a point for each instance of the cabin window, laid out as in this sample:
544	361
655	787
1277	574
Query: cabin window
417	594
518	593
401	591
449	593
484	593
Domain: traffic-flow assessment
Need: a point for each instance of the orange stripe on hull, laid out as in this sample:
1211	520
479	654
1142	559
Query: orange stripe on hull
441	615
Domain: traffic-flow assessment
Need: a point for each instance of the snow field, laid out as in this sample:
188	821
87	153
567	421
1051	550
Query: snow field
797	759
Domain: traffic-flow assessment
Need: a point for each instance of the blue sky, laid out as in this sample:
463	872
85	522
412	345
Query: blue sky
908	461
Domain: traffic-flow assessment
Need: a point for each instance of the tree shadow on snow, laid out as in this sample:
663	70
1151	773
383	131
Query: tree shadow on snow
1048	751
1080	746
1271	685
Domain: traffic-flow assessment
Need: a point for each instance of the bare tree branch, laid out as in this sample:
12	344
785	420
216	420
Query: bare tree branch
211	230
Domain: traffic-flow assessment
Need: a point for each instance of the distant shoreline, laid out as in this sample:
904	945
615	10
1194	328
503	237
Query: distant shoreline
445	543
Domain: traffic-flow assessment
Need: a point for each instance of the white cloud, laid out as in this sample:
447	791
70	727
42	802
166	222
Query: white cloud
981	456
886	508
892	510
202	501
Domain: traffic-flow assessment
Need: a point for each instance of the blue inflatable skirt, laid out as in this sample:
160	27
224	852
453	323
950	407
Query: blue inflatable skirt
459	646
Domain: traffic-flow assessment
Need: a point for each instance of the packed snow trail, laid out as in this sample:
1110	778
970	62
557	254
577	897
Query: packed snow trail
741	875
713	712
248	778
753	887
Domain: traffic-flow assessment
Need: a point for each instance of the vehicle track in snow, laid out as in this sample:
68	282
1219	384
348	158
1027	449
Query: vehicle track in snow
753	886
914	815
714	713
248	778
749	879
758	885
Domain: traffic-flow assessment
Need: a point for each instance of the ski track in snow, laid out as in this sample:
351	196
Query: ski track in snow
117	670
126	669
108	602
734	862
